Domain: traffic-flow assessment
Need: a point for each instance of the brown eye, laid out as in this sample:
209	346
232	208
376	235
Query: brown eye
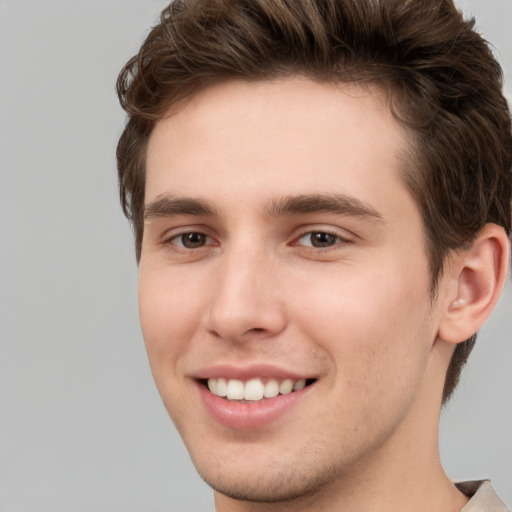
323	239
319	239
191	240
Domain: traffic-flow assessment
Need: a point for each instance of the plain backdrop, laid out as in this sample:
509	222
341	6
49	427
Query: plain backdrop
82	427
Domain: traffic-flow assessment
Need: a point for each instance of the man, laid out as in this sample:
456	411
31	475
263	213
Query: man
321	193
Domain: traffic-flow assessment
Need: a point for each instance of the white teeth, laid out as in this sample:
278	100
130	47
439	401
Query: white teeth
222	387
271	389
286	386
299	385
212	385
235	390
254	389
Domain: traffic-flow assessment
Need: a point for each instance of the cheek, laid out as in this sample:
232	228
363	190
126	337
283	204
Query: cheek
371	322
168	322
168	316
375	338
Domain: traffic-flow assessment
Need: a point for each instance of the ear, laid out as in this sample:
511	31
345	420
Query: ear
474	281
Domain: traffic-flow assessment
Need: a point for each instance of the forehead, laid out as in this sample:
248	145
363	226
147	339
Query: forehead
290	136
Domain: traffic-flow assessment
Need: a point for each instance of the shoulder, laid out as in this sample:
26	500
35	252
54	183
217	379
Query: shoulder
482	497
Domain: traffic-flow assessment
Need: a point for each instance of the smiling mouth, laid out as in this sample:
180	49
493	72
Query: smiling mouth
254	390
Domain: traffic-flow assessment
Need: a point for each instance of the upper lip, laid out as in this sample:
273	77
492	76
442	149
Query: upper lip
265	371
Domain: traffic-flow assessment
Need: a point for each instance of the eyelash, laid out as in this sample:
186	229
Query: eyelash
172	240
335	241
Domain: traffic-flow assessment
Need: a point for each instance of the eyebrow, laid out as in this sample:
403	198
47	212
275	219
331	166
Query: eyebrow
340	204
323	203
170	206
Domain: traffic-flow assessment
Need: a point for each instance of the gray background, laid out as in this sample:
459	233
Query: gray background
82	427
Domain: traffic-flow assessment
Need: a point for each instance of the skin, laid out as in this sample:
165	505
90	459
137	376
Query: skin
356	313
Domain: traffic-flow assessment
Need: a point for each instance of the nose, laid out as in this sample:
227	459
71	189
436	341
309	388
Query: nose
245	301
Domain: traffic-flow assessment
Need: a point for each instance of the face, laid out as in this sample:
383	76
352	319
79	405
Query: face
283	265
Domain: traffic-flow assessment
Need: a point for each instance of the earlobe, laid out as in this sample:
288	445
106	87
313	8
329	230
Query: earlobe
480	274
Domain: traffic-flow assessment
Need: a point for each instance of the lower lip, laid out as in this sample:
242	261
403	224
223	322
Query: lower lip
248	415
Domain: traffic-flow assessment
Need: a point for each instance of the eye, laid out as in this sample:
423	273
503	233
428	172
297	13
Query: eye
319	239
191	240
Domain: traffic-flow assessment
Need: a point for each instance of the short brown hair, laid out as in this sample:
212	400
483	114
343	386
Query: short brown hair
444	83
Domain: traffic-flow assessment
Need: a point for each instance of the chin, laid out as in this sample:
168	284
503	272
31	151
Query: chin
265	489
273	482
